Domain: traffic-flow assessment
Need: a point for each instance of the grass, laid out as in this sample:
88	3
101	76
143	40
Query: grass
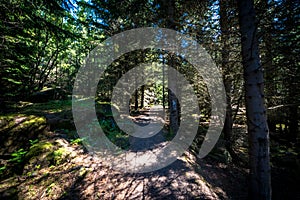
54	106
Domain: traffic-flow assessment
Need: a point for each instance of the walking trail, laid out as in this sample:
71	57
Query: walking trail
83	175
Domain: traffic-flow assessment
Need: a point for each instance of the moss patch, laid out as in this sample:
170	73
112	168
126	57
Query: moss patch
60	155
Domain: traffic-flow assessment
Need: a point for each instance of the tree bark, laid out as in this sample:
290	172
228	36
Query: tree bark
225	29
260	178
163	82
142	96
172	78
136	100
293	83
267	60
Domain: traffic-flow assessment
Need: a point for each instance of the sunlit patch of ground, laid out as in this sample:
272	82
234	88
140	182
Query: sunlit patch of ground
54	165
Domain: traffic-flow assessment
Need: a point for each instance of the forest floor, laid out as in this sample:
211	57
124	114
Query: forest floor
41	159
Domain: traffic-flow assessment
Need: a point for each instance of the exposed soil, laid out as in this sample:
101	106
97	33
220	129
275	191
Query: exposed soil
60	169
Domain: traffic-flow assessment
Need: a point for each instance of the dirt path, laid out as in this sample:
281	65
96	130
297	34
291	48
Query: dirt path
150	123
176	181
180	180
63	170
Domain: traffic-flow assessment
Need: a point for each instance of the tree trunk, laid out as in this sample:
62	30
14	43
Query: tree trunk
267	60
136	100
142	96
260	178
163	82
173	102
136	96
172	78
293	83
225	29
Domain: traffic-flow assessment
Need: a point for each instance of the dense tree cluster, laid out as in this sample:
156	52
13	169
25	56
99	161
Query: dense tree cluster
44	43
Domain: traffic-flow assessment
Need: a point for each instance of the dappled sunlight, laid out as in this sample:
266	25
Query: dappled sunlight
56	167
17	130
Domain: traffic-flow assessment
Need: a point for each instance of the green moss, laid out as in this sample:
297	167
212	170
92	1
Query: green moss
34	120
48	107
60	155
21	123
8	117
8	121
38	149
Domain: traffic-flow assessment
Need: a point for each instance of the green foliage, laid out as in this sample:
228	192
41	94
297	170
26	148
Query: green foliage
114	134
49	188
32	142
18	156
60	155
77	141
283	150
2	169
38	40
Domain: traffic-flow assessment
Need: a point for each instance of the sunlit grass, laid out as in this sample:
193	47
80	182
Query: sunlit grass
49	107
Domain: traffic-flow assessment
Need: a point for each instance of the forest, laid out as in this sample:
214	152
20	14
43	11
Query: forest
150	99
